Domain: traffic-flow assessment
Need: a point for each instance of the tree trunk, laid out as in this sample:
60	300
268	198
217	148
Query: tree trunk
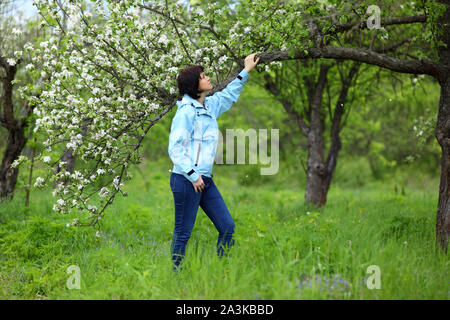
16	140
316	190
8	176
443	137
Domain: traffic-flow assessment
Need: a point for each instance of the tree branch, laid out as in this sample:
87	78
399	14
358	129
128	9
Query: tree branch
429	67
287	105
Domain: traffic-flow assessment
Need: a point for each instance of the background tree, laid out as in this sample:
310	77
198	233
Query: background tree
15	109
306	106
438	16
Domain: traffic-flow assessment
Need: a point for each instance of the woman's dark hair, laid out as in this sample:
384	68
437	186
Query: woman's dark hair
188	80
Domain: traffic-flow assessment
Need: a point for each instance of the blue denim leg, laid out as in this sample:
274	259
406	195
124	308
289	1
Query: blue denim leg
215	208
186	202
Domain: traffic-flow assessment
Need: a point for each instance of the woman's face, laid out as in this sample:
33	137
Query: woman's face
204	84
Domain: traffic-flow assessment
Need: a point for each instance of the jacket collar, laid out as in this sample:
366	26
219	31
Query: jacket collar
188	100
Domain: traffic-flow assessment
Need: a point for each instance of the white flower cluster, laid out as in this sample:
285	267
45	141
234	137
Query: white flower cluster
116	183
18	161
60	206
200	12
73	223
104	192
39	182
16	31
75	142
222	60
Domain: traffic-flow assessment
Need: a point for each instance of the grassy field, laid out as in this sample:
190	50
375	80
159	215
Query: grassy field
284	249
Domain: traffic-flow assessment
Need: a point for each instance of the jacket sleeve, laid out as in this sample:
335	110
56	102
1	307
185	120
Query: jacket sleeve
223	100
180	142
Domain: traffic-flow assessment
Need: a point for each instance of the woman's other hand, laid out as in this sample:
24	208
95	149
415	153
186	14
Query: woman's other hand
199	185
250	62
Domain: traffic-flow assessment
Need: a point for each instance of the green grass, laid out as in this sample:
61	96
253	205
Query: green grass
280	243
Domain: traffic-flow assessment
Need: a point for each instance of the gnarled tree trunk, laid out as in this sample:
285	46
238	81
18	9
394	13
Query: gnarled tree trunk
8	176
16	139
315	167
15	128
319	172
443	136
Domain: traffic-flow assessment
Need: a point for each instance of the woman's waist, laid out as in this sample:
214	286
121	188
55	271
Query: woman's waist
204	173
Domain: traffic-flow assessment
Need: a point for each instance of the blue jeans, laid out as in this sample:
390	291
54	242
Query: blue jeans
186	206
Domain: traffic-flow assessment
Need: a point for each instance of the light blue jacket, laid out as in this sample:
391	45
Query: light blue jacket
194	133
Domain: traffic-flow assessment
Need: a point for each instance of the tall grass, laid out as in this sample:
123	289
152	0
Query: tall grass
284	249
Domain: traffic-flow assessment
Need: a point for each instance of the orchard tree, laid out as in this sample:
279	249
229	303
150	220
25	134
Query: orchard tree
333	30
436	32
117	78
15	110
304	102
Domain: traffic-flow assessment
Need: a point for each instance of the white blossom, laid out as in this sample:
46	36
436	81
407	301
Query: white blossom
38	182
16	31
18	161
103	192
163	39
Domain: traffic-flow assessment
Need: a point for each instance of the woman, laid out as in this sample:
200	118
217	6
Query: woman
192	147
